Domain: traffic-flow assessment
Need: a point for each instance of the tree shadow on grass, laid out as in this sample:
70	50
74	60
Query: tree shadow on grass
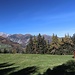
26	71
65	69
5	65
5	68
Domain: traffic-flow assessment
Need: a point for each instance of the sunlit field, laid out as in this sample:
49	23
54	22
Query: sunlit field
42	62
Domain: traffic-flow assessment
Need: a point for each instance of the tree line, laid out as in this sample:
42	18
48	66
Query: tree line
60	46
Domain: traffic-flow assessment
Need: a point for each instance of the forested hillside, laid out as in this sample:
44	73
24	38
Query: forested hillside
41	44
61	46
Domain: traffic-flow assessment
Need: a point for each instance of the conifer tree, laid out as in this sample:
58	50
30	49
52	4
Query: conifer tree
29	48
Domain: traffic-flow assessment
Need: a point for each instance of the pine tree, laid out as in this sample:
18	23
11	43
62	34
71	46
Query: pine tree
41	44
55	44
66	45
44	45
35	45
29	48
48	47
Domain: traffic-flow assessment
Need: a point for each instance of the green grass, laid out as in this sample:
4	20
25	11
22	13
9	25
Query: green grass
39	60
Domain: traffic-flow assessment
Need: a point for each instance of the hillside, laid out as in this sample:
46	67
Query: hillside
9	46
20	38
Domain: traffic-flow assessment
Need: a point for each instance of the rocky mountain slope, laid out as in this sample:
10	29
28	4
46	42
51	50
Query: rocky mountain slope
21	38
9	46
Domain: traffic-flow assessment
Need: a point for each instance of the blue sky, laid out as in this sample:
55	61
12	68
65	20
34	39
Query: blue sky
37	16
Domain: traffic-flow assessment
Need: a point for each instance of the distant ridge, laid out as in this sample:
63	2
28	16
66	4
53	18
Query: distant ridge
4	34
22	38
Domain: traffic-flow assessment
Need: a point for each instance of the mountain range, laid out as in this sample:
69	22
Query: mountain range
22	39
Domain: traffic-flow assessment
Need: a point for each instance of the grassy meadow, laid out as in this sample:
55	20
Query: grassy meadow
43	62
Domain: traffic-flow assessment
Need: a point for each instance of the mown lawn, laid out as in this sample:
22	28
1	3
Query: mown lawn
43	62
